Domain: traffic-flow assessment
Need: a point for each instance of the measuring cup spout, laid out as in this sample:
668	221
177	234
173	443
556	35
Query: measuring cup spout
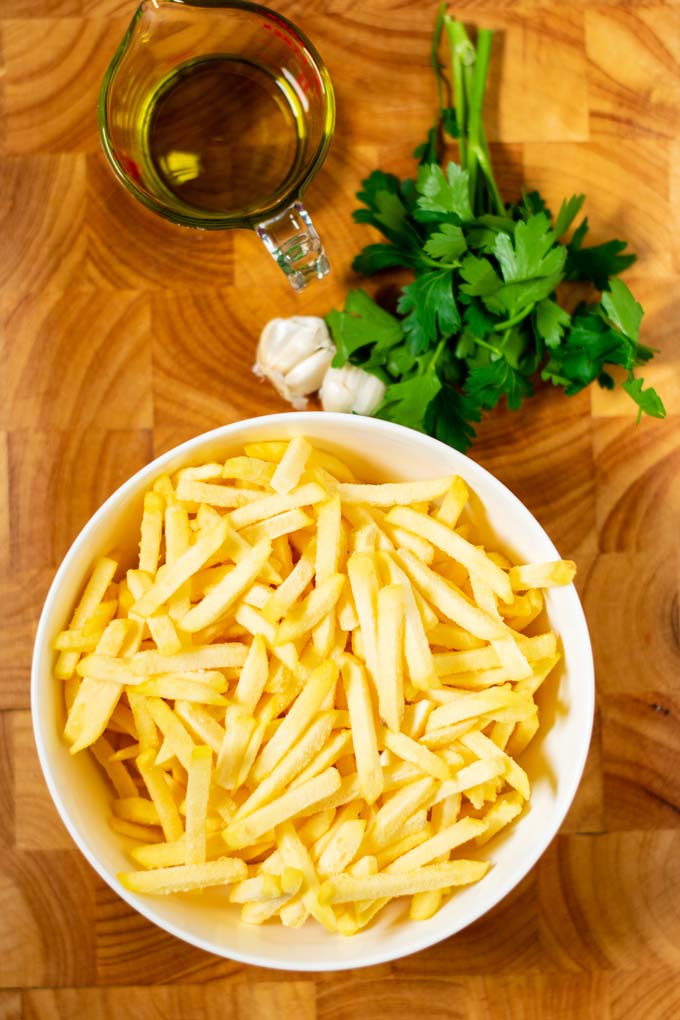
292	241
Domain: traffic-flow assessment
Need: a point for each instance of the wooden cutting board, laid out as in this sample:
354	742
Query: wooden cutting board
122	335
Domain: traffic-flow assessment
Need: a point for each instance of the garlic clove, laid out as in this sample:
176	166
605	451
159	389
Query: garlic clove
285	342
308	375
294	354
351	390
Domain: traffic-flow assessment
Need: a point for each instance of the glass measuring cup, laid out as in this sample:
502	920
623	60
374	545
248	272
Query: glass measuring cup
218	115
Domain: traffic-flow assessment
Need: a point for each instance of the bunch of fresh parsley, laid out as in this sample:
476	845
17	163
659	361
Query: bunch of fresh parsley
480	320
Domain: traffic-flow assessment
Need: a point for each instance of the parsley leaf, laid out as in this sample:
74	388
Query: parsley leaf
622	309
431	308
440	194
486	384
387	210
447	243
648	401
375	257
361	323
597	263
480	277
478	322
569	210
407	402
551	321
531	253
449	417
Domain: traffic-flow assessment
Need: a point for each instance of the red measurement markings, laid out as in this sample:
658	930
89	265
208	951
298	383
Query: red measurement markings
305	77
129	167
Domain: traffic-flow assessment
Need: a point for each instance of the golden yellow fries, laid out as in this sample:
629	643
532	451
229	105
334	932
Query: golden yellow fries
307	688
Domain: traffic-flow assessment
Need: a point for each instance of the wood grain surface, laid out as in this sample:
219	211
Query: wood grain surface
122	335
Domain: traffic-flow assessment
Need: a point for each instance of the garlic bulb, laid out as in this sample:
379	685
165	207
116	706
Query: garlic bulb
350	389
294	355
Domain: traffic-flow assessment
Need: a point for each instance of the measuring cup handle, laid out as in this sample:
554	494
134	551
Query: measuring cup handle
290	238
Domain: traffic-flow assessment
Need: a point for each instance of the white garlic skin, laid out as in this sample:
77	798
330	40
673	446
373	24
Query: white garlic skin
294	355
351	390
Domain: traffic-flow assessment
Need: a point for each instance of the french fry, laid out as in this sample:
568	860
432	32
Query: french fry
115	769
305	616
249	469
159	792
453	503
442	842
167	855
330	553
225	496
342	849
230	588
172	729
175	687
138	810
255	624
185	878
288	805
291	466
256	889
542	646
449	635
203	725
346	888
364	583
397	808
292	763
480	744
394	493
271	451
144	724
198	789
419	662
298	718
364	737
410	750
271	506
295	855
200	472
94	703
291	588
177	573
337	746
470	777
542	575
468	705
473	559
215	656
86	638
389	665
253	678
449	600
239	728
139	833
151	532
287	523
94	593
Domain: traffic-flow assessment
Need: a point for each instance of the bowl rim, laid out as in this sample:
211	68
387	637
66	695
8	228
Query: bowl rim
143	905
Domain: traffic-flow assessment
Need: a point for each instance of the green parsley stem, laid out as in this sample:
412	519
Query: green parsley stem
462	52
434	55
488	346
508	323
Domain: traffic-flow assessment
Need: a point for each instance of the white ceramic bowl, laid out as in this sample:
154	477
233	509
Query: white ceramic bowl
554	761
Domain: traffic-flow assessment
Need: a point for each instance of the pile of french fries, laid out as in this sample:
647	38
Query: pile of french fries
310	691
